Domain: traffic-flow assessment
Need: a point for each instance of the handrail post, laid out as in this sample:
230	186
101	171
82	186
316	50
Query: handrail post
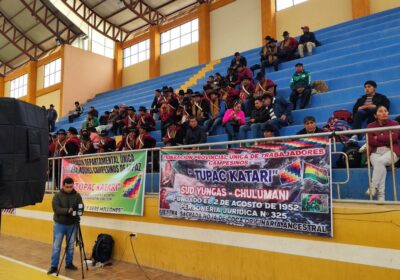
369	167
393	169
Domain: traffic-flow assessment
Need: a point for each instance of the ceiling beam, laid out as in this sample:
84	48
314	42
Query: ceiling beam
18	38
94	20
46	17
142	10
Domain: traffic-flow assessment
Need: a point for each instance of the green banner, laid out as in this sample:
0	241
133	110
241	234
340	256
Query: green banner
110	183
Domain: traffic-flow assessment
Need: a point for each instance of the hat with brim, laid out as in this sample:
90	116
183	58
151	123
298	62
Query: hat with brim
268	127
285	33
61	131
197	93
131	108
73	130
142	108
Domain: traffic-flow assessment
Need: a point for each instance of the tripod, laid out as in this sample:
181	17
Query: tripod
78	242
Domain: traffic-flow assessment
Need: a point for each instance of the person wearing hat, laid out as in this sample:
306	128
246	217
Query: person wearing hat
246	94
106	144
144	139
174	135
128	141
264	86
130	120
279	111
119	123
300	84
59	149
146	118
365	107
217	111
76	113
73	143
210	85
86	146
307	40
200	107
236	60
51	118
288	47
269	54
155	104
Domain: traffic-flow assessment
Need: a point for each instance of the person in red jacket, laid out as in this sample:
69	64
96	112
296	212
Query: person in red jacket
146	118
380	153
243	71
288	47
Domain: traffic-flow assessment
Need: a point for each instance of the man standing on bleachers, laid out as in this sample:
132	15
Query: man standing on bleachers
366	105
300	84
51	118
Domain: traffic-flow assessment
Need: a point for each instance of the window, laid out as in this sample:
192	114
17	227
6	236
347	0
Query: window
52	73
180	36
283	4
137	53
19	86
102	45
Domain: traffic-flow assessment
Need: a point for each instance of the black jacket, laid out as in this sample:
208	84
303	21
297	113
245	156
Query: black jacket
303	131
195	135
62	201
307	37
242	61
259	115
378	100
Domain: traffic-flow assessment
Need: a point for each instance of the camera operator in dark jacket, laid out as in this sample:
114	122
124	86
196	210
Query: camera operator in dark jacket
66	205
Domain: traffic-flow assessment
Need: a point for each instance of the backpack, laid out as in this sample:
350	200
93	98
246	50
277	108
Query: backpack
320	86
335	124
343	115
102	249
351	150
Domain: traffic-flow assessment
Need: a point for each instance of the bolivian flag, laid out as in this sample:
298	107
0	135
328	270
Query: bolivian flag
315	173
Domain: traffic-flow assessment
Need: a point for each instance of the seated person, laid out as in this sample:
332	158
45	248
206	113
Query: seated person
76	113
365	107
257	119
144	139
246	94
119	124
310	126
269	54
174	135
279	111
91	121
288	47
217	111
86	146
166	113
307	40
73	143
264	86
156	101
243	71
146	118
380	153
268	132
128	140
104	118
231	77
200	108
300	84
106	144
195	134
237	60
233	119
210	85
93	111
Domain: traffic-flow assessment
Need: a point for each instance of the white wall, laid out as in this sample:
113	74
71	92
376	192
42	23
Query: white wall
316	14
382	5
235	27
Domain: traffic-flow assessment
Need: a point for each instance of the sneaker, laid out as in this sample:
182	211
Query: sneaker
52	270
371	191
71	267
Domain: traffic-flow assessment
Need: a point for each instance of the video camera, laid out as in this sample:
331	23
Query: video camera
78	211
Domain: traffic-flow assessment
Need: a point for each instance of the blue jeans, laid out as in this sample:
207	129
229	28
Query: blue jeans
255	130
277	124
232	131
211	125
59	232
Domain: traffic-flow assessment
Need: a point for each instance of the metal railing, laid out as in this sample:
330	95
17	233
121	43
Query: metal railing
54	164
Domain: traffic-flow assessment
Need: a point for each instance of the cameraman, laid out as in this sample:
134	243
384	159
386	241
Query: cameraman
66	204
